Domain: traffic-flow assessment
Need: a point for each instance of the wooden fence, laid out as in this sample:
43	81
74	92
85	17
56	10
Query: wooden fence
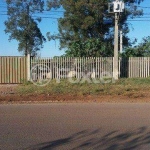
134	67
63	67
95	67
18	69
13	69
139	67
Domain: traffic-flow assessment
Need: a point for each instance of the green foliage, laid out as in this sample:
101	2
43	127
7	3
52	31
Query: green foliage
89	48
141	50
53	4
83	25
22	26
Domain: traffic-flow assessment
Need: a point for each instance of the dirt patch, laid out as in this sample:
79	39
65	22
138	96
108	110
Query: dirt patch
8	89
8	94
42	98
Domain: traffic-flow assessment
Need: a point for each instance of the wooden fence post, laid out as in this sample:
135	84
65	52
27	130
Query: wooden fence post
28	67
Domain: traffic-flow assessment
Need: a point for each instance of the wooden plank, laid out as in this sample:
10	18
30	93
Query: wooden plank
136	67
145	61
3	70
8	70
16	69
142	67
19	70
129	68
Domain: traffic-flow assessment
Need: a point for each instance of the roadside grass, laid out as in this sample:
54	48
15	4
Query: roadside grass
134	87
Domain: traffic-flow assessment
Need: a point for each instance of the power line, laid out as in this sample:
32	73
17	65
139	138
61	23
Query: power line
144	6
43	17
46	17
140	20
142	17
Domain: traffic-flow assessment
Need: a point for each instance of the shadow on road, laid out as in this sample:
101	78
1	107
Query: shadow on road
87	139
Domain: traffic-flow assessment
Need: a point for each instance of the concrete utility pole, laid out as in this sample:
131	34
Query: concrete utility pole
118	7
27	52
121	42
115	66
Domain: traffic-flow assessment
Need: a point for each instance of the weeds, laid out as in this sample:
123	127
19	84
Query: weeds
120	87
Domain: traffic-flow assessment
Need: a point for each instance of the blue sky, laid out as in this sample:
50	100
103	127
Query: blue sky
141	29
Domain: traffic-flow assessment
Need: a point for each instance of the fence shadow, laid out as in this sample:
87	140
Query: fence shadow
93	139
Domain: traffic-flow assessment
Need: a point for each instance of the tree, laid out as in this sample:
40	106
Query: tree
82	30
22	26
141	50
88	48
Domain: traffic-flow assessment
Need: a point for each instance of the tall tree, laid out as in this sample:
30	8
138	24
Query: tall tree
85	29
22	26
141	50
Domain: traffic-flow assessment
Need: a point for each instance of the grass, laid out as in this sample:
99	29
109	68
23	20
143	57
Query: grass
128	87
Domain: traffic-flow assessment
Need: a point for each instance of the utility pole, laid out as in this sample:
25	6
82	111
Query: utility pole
27	31
115	66
116	7
27	52
121	41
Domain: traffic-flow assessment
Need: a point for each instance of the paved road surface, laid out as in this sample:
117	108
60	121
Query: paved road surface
75	127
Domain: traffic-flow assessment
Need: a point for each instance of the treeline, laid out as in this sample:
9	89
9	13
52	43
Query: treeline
86	29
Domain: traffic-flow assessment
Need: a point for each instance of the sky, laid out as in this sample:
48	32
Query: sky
49	24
